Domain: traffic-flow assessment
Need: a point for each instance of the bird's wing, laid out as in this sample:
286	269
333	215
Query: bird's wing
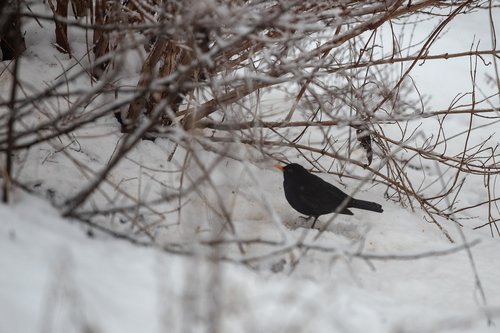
320	196
335	192
331	191
326	196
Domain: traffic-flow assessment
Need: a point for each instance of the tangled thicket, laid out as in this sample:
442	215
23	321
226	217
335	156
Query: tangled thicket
206	66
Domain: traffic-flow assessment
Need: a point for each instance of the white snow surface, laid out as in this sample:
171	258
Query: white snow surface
55	277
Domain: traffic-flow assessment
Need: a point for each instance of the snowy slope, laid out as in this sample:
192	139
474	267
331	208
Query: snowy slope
56	279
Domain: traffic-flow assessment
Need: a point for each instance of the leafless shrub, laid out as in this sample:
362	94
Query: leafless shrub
206	66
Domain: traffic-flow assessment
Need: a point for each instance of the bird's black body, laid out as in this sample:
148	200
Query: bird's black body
312	196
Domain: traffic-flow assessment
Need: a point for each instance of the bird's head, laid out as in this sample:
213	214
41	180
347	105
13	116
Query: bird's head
292	168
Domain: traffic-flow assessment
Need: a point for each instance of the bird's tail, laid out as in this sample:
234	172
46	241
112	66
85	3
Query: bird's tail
366	205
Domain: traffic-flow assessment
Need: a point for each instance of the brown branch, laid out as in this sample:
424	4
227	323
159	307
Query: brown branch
193	115
61	30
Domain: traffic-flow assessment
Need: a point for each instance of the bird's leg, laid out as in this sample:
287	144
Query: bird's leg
306	220
314	222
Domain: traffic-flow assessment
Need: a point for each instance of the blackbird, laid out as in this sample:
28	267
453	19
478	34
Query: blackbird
312	196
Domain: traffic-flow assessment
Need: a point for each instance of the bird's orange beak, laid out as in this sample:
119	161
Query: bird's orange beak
279	167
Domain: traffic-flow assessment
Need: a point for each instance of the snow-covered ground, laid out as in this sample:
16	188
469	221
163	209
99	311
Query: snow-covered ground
57	279
365	273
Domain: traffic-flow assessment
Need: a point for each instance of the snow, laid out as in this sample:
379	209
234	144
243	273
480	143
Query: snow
57	278
59	275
